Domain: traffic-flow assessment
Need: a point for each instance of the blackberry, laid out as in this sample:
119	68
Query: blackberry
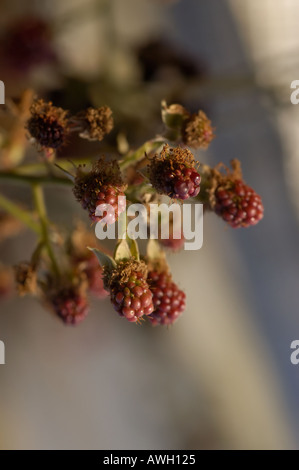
102	185
168	299
129	290
174	244
94	275
173	173
238	204
46	131
70	305
197	131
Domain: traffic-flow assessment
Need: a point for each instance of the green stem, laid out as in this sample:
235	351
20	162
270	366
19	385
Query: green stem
40	206
34	180
21	214
148	147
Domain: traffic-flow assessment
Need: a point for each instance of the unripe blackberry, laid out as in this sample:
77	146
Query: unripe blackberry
173	244
238	204
94	275
197	131
168	299
173	173
102	185
129	290
69	304
48	125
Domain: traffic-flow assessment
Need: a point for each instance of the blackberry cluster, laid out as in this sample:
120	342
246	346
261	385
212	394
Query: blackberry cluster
168	299
238	204
173	173
70	305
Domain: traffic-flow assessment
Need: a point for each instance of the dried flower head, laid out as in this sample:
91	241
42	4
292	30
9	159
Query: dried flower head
198	131
95	122
26	278
48	125
102	185
173	173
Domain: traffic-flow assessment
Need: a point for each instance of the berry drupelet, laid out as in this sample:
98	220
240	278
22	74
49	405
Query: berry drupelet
129	290
168	299
103	186
173	173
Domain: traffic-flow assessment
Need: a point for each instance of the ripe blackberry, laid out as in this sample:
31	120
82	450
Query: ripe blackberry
168	299
48	125
70	305
238	204
129	290
173	173
102	185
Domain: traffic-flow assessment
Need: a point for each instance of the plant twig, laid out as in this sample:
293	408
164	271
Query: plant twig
40	206
19	213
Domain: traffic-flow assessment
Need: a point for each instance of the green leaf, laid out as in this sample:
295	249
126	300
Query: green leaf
173	116
154	250
122	251
104	260
133	246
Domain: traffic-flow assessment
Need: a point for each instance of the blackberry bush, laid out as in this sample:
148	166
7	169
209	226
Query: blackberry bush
62	271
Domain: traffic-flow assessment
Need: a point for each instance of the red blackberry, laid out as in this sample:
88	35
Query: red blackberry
168	299
103	186
238	204
48	124
174	244
94	275
129	290
70	305
173	173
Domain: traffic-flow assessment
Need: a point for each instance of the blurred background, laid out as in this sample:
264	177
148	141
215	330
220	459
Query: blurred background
221	378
